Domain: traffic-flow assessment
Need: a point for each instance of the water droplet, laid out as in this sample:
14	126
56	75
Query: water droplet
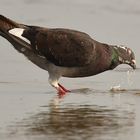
129	77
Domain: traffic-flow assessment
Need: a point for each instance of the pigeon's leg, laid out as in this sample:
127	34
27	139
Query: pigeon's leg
66	90
61	92
54	82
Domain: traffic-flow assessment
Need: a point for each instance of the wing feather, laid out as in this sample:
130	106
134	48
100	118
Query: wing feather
65	47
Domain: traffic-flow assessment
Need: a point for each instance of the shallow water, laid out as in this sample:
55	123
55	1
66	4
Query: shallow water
82	114
102	107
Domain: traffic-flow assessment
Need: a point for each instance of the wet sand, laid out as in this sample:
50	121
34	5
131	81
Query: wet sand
101	107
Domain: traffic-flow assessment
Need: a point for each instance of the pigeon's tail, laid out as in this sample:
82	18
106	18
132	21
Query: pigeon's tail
6	26
12	31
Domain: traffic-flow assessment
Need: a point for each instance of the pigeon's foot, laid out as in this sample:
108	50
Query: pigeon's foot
66	90
62	91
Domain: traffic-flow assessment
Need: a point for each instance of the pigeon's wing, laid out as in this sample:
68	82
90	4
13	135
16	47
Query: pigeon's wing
65	47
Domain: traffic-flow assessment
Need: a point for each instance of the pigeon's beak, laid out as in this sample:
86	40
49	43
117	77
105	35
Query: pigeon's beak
133	64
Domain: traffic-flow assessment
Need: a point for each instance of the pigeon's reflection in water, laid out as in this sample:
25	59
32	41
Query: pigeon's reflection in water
80	122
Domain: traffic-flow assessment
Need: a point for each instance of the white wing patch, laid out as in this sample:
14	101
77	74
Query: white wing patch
18	33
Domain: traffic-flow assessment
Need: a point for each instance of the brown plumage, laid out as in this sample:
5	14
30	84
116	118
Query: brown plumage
64	52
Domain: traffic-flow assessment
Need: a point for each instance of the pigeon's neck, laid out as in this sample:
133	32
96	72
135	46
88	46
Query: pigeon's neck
114	58
122	55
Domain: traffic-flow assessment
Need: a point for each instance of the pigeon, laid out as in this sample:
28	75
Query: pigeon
64	52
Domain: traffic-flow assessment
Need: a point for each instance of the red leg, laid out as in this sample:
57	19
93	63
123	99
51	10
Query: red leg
66	90
61	92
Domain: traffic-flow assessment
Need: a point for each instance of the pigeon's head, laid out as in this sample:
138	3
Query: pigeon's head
126	56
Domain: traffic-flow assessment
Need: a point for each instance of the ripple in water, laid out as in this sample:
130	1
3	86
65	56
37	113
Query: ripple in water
78	122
